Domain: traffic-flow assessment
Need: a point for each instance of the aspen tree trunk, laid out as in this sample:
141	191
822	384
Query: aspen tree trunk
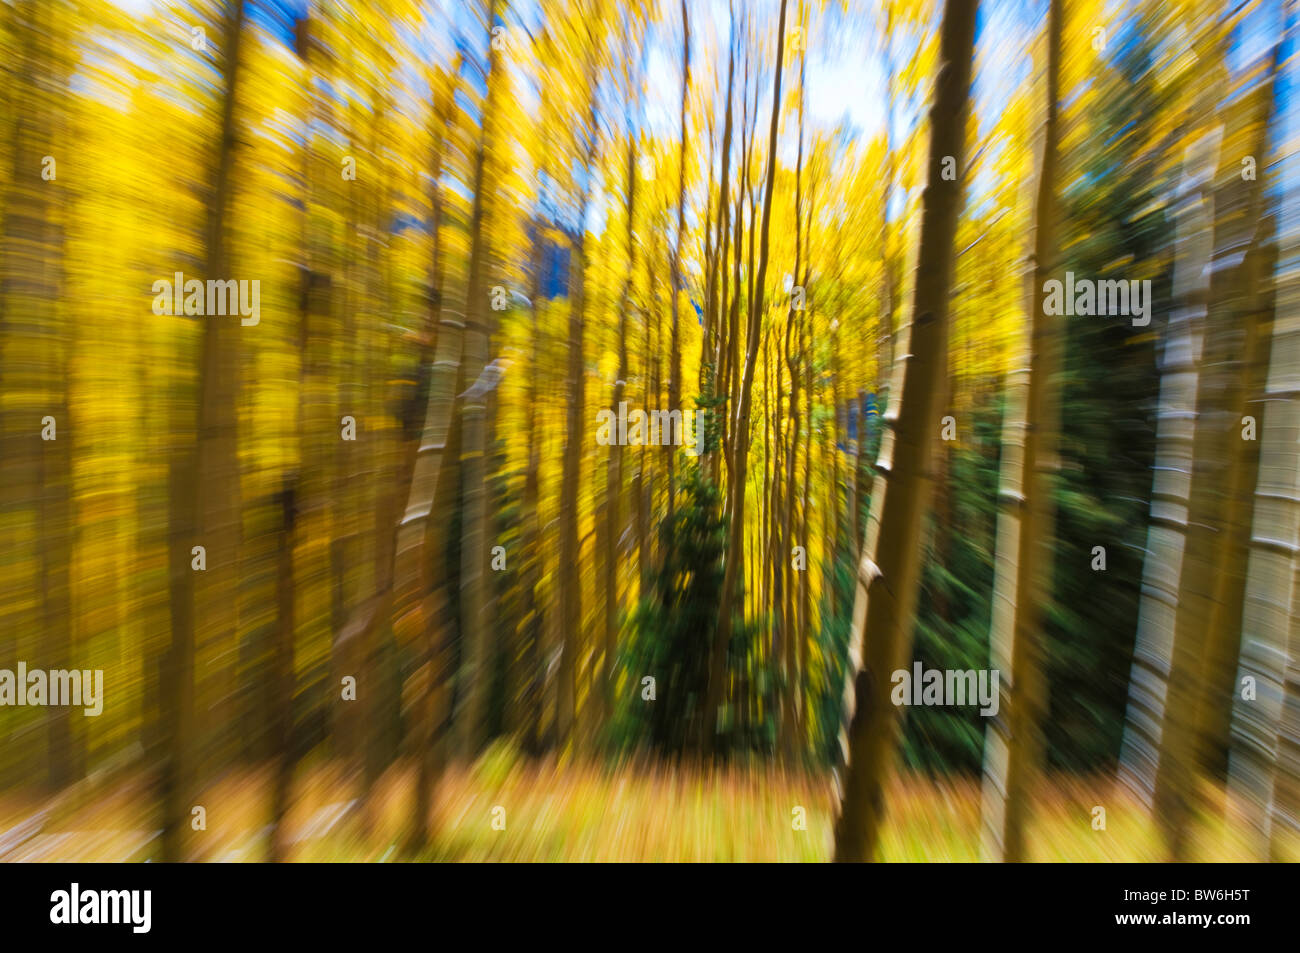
1207	582
885	338
1249	295
282	682
1224	627
1264	762
769	503
419	567
1283	806
675	355
804	627
532	614
734	404
378	503
740	447
777	559
1022	588
387	494
476	656
319	432
423	539
709	261
351	562
785	555
1193	211
66	755
653	345
347	589
370	478
764	528
890	567
37	341
730	378
855	481
715	352
614	473
787	521
1261	763
570	579
282	675
201	510
838	437
857	484
641	483
614	477
57	514
776	535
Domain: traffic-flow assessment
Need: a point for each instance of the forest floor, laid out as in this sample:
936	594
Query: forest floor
587	813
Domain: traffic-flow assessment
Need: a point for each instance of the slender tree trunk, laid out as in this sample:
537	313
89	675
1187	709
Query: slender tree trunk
37	343
740	448
203	505
282	682
419	558
885	336
282	675
834	443
614	474
890	568
749	121
804	628
675	353
1264	762
532	613
476	660
1166	537
776	541
1023	585
347	594
570	580
654	345
715	351
641	482
785	556
378	496
1219	463
729	377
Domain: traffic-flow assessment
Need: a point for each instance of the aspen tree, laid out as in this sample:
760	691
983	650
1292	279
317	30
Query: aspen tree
890	565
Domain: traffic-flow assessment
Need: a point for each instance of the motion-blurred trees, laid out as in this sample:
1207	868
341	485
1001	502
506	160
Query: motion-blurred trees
476	226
